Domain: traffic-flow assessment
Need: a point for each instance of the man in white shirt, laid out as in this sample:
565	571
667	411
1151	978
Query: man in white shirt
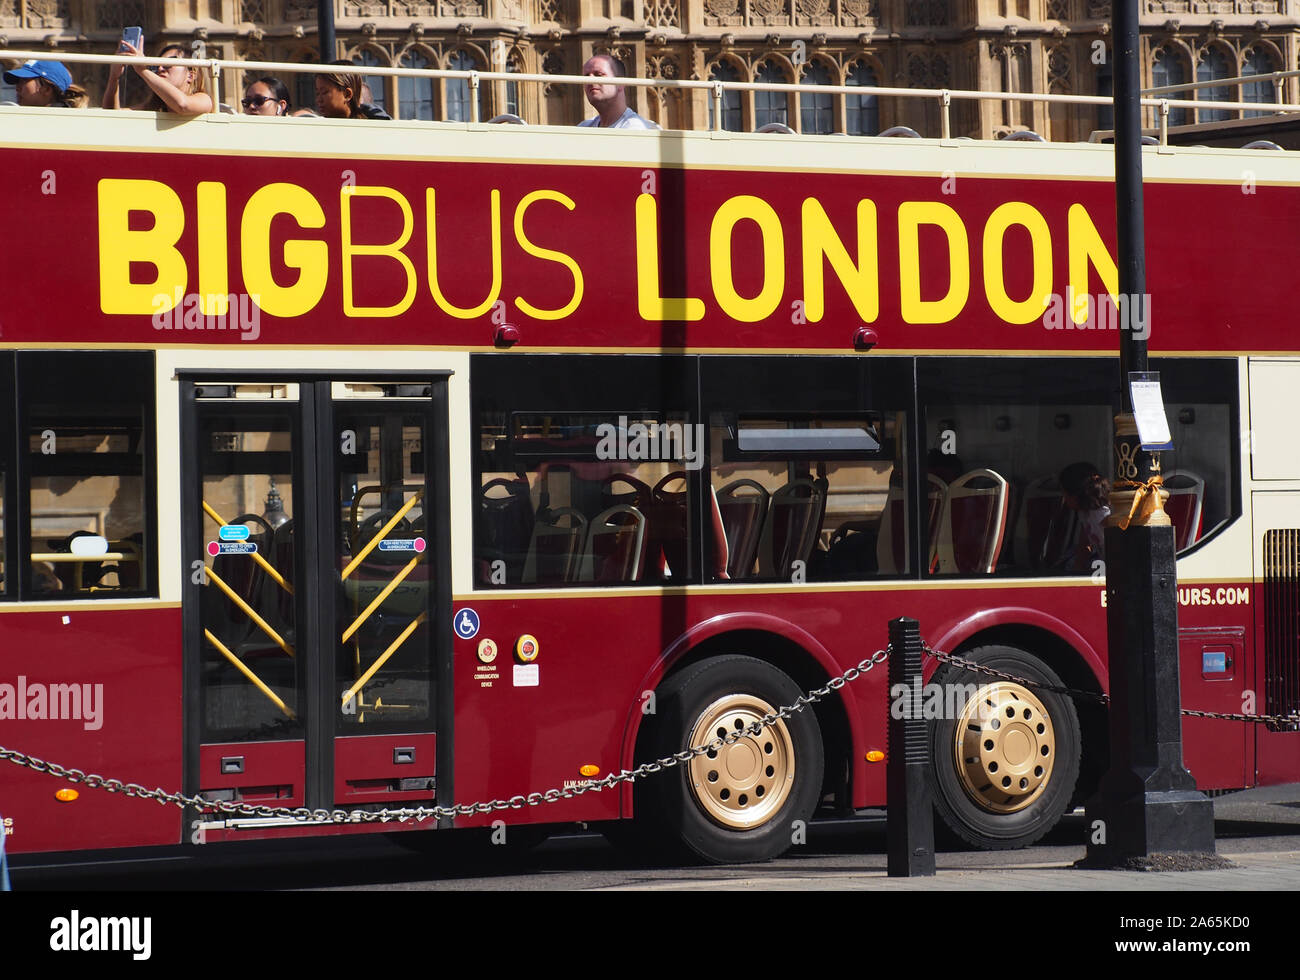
610	101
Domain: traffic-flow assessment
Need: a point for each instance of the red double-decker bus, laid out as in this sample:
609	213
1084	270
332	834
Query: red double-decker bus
376	465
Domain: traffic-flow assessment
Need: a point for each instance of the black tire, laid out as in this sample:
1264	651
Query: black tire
1011	806
753	824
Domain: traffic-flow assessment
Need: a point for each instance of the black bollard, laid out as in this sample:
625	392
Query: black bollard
910	818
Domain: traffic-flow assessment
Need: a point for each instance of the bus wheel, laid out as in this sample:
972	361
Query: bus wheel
1005	756
739	802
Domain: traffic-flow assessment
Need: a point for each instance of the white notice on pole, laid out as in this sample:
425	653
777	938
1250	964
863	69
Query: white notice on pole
1149	410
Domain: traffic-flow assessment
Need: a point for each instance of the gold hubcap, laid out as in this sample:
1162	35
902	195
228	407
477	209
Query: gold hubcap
1005	747
742	784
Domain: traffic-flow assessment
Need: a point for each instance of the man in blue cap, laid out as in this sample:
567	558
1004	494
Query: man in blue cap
41	83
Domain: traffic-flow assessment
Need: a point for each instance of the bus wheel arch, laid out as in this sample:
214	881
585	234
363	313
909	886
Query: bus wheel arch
801	665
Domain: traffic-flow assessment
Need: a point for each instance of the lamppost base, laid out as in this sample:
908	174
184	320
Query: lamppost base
1121	828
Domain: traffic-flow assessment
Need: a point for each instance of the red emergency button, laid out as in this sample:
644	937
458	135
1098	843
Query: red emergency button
526	648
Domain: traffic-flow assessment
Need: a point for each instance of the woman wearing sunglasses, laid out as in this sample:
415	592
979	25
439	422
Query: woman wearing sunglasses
173	88
267	96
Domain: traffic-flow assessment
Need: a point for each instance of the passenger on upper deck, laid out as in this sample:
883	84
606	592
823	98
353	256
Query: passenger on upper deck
46	83
338	94
268	96
367	107
610	101
173	88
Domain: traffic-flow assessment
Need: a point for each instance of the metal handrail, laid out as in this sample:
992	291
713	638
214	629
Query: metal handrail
715	87
1216	83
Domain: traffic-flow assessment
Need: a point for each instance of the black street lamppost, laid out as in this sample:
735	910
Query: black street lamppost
325	30
1147	802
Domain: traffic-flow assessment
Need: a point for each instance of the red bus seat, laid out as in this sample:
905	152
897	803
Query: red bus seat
791	529
1046	530
556	546
973	523
742	516
616	546
1186	495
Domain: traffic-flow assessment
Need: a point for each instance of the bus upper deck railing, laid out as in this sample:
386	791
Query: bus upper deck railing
944	96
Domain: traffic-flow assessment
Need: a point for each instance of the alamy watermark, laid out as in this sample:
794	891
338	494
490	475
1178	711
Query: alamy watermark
1088	312
677	442
102	933
53	702
189	312
936	701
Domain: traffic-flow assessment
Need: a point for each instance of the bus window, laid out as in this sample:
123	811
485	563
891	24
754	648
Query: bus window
998	435
86	424
807	470
1201	472
579	483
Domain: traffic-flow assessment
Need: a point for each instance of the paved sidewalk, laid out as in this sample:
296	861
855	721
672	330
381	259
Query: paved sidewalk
1256	870
1276	871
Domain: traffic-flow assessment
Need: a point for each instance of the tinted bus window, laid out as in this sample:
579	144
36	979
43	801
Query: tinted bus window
86	438
807	468
585	470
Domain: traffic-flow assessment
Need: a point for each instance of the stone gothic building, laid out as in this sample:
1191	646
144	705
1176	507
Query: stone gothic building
1057	46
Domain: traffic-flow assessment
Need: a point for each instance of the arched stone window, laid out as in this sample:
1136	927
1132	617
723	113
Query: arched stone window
367	58
861	112
771	107
1259	61
732	116
458	90
817	110
416	95
1214	64
1169	68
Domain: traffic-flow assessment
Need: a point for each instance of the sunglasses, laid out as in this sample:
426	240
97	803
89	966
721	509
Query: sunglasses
255	101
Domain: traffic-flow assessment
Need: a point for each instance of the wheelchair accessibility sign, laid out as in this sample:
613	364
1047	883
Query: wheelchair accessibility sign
466	621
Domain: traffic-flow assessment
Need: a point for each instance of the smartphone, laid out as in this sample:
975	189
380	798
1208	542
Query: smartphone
135	36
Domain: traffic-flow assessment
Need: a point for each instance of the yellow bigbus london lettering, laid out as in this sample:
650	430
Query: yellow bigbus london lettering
120	246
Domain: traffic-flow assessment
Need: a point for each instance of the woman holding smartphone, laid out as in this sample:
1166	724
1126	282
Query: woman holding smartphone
174	88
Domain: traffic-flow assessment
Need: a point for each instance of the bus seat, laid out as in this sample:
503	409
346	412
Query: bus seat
791	528
973	523
743	516
891	540
1045	529
668	552
616	546
1186	495
556	546
506	513
721	549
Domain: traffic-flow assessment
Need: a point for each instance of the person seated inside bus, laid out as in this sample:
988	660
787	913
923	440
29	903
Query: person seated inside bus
610	101
46	83
172	88
1087	492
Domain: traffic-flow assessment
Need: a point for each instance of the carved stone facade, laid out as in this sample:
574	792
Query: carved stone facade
1044	46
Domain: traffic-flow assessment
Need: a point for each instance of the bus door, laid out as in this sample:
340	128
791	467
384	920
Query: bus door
317	612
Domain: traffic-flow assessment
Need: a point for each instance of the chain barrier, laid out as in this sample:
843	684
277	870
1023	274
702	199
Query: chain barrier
404	814
948	658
